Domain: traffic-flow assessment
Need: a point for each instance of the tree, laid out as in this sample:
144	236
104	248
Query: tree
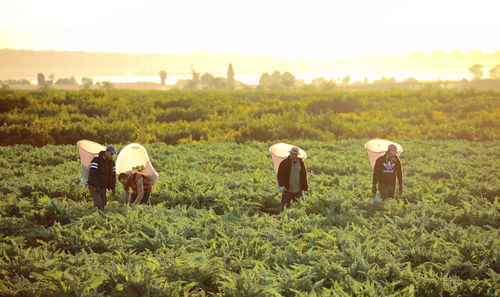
40	79
207	81
346	80
87	82
163	77
495	72
219	83
276	80
107	85
384	80
230	76
320	83
66	81
52	80
476	70
287	80
194	81
265	81
410	79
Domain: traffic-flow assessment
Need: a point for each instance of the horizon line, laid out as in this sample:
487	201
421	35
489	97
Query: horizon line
222	53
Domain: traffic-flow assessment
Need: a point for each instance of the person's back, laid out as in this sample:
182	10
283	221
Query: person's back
102	176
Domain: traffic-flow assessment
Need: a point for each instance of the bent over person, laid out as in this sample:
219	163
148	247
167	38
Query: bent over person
292	178
102	176
386	169
141	188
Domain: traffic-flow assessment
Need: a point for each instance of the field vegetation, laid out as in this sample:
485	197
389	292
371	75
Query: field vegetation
119	116
214	227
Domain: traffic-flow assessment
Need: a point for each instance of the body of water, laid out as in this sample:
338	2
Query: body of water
355	75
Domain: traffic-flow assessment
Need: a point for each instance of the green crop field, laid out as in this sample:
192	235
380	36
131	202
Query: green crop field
119	116
214	227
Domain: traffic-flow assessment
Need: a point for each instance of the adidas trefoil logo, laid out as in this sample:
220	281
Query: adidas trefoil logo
389	165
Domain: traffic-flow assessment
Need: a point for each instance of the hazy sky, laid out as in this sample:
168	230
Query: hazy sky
309	29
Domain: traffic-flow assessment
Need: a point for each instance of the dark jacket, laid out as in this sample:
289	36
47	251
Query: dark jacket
102	170
386	170
284	174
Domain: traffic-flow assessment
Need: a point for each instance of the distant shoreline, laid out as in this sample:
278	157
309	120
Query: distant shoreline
130	68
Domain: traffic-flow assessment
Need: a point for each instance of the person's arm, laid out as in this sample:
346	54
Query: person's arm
375	177
113	178
281	179
306	184
125	196
93	170
399	173
140	191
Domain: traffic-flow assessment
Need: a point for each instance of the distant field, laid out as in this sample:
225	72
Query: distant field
118	116
214	227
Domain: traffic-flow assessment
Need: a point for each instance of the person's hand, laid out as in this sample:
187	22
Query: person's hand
282	188
374	189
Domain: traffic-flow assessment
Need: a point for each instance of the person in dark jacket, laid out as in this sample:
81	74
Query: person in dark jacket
102	176
292	178
387	169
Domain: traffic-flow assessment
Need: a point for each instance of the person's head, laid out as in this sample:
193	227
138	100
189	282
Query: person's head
392	150
110	152
294	154
123	178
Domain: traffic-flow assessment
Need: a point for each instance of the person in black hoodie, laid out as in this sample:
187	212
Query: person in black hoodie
386	169
102	176
292	178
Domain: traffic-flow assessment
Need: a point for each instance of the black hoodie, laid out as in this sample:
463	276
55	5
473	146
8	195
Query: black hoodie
386	170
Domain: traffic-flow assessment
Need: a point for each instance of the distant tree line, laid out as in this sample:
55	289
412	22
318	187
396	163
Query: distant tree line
6	83
86	82
285	81
477	71
208	81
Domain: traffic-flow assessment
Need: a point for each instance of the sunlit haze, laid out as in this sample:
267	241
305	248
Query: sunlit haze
290	29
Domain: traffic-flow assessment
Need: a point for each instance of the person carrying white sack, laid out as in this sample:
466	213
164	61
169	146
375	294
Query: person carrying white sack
102	177
292	178
141	188
385	171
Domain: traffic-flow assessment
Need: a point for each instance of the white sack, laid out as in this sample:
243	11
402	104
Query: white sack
134	158
376	148
281	151
88	151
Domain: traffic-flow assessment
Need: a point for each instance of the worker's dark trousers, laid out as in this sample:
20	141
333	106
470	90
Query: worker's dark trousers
287	197
386	191
98	196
